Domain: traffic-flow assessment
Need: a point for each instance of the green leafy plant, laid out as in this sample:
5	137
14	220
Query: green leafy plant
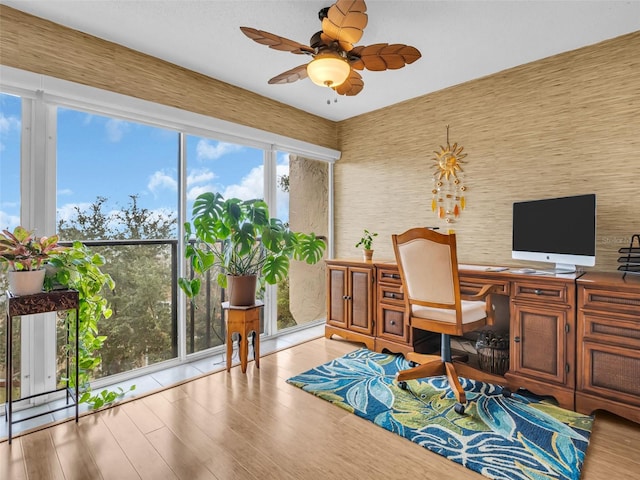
367	240
239	238
79	269
22	250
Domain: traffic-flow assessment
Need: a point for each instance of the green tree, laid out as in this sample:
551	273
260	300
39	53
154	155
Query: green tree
140	329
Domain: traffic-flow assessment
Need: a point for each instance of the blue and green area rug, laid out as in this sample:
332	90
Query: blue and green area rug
520	437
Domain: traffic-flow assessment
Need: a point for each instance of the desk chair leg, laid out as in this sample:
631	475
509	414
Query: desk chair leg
452	376
454	382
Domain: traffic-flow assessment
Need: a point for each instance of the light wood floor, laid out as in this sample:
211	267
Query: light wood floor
256	426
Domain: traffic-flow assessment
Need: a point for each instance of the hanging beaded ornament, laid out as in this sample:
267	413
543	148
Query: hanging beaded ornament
448	182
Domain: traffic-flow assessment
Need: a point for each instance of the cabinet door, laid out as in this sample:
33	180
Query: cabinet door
337	296
609	356
360	300
539	343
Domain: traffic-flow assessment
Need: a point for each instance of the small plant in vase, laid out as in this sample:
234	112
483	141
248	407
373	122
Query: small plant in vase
366	243
23	255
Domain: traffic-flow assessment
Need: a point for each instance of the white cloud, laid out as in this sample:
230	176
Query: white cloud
87	119
209	150
200	176
251	186
8	221
193	192
65	192
116	129
161	181
68	211
7	124
162	213
283	159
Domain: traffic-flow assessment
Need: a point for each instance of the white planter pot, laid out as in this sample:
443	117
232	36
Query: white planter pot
26	282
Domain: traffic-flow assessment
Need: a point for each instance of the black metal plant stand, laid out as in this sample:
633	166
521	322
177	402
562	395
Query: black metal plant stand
19	306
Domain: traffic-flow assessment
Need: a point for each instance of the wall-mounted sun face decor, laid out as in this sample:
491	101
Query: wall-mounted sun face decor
448	182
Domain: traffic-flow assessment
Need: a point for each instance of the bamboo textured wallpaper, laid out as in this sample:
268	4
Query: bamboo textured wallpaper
565	125
37	45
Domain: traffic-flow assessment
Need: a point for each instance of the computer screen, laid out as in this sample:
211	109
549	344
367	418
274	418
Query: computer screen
557	230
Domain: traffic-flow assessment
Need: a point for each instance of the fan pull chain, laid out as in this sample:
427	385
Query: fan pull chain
335	98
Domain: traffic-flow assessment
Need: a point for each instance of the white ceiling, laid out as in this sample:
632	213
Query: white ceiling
459	40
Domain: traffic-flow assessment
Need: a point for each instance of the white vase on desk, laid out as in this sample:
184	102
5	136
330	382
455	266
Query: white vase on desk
26	282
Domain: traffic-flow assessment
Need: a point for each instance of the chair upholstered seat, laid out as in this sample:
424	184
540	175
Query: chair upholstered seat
471	312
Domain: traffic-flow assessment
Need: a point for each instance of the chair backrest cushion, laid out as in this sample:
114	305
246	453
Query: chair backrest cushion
427	270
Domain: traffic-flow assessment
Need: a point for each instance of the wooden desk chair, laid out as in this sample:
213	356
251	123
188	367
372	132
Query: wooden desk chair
428	266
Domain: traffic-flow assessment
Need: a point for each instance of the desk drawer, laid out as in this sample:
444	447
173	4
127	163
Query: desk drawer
472	285
541	292
609	300
616	329
389	275
391	323
390	294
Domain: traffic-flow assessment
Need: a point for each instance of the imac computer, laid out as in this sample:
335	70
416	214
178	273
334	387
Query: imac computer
556	230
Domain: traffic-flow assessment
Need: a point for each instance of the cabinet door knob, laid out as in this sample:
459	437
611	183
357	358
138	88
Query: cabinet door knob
516	339
392	322
537	291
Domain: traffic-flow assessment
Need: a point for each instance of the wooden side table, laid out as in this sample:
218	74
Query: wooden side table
244	321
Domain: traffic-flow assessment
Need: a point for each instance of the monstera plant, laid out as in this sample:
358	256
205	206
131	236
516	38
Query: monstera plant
241	240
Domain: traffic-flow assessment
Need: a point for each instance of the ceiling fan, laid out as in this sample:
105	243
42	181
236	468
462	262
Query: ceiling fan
335	58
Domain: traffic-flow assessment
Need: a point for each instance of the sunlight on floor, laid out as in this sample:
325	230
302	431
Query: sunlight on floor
156	381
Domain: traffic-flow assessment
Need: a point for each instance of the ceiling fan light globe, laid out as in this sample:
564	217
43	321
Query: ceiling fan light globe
328	70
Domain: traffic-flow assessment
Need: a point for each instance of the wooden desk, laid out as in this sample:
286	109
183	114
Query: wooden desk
365	303
576	338
244	321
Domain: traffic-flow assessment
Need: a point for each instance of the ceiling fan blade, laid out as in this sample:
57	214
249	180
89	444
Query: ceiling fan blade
275	41
351	86
344	23
384	56
355	62
290	76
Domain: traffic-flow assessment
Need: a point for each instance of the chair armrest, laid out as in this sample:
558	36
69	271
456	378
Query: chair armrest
482	294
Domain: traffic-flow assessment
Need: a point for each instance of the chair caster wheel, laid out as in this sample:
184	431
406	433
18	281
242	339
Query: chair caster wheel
403	385
459	409
506	393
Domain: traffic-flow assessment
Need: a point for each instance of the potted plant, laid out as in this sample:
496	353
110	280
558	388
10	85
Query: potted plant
240	239
23	254
79	268
366	242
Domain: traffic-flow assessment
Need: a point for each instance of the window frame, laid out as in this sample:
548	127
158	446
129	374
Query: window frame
41	96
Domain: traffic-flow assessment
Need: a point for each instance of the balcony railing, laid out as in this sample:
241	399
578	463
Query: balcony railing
144	327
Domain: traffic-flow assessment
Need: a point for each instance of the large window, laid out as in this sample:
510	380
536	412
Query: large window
303	200
117	184
233	171
10	127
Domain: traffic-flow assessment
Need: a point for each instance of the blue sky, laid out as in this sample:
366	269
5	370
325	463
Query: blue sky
108	157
